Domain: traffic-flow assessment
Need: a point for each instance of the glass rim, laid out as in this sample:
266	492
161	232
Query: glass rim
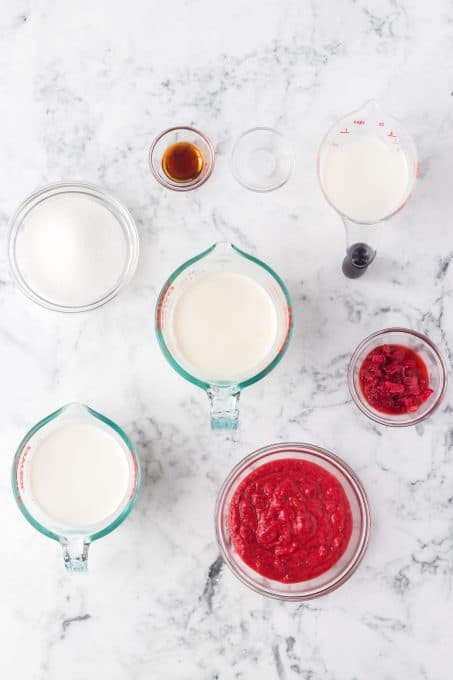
118	209
388	419
316	452
169	356
181	186
248	185
116	521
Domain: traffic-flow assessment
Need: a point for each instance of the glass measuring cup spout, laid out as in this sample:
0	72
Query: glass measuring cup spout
94	499
367	167
223	321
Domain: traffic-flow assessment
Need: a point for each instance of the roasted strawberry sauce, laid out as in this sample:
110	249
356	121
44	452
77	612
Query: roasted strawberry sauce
290	520
394	379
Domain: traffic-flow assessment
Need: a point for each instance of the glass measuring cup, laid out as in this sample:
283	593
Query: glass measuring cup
368	121
223	257
75	541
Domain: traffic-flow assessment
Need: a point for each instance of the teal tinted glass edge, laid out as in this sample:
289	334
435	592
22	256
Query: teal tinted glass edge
157	312
285	343
138	476
16	491
177	367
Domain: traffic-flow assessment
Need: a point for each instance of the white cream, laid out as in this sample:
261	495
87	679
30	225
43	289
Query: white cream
365	179
78	475
224	327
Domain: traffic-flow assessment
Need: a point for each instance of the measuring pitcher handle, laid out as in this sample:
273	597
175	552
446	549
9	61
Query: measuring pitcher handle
75	553
224	402
361	242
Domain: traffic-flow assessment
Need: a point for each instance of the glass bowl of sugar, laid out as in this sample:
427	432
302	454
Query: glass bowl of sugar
72	246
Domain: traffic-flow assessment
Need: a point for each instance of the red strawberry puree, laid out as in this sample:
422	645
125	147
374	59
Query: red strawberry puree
394	379
290	520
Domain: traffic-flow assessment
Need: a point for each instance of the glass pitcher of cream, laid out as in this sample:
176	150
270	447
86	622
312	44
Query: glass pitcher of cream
367	168
223	321
75	478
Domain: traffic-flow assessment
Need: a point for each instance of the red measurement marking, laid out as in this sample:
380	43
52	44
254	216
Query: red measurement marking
134	480
288	332
162	304
22	460
381	123
344	132
359	122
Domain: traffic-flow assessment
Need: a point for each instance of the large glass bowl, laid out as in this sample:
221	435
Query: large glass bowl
432	358
342	570
118	210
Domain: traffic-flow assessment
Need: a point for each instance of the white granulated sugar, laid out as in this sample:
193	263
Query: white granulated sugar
71	249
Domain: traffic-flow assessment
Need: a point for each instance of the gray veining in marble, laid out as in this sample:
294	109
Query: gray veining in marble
84	87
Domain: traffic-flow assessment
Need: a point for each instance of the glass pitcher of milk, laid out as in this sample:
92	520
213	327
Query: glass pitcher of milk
75	479
223	321
367	167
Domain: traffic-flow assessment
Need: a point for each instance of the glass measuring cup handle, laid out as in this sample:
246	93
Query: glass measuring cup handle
224	401
361	243
75	553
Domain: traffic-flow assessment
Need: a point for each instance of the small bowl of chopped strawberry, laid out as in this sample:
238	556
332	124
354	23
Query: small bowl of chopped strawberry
397	377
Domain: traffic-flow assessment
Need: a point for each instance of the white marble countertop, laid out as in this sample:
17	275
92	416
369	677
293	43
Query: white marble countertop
84	87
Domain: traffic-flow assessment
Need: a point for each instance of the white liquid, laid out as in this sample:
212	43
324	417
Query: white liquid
79	475
71	249
365	179
224	327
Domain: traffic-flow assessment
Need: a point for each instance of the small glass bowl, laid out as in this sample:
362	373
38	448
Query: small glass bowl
420	344
181	134
125	220
261	159
340	572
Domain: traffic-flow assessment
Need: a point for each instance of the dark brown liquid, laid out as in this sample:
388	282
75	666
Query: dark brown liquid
182	162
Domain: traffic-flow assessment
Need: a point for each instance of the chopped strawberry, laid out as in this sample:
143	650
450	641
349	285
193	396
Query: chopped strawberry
394	379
